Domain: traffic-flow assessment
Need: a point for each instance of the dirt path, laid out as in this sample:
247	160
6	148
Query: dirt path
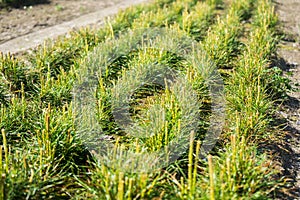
15	22
289	52
27	28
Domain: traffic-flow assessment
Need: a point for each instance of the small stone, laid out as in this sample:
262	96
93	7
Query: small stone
283	114
294	118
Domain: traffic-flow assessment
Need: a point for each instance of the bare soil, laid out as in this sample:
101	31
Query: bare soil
289	61
15	22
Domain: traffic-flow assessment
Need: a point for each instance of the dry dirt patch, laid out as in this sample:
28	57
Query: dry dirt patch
15	22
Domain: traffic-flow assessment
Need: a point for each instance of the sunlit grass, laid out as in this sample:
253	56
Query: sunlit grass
44	150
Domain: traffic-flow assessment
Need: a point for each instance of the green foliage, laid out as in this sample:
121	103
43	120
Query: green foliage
240	173
277	85
221	42
16	75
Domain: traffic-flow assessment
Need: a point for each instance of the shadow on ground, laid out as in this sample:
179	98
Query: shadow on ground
289	161
20	3
283	148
